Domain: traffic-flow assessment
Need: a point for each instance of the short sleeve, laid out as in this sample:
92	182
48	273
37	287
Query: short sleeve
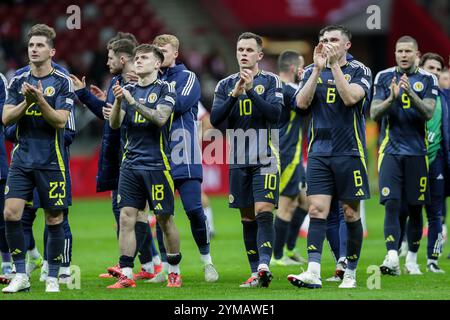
363	77
432	88
168	96
13	97
380	92
66	96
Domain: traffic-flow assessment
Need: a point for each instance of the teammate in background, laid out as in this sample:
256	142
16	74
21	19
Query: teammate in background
438	155
203	118
6	256
252	100
334	89
40	102
404	99
187	169
290	65
144	110
120	50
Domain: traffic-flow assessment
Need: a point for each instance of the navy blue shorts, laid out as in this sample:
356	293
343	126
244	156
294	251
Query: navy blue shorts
136	187
291	179
404	177
50	187
252	184
342	176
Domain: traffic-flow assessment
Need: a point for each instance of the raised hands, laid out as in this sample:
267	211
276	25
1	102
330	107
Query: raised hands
320	58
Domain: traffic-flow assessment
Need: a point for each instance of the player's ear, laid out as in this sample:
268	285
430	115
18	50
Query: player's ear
348	45
52	52
175	54
260	55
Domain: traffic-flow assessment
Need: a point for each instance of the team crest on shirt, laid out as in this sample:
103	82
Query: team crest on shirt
152	97
418	86
6	190
173	84
347	77
259	89
49	91
230	198
385	191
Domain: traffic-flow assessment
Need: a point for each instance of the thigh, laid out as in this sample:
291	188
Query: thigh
160	191
132	190
417	187
319	177
350	178
20	184
390	177
265	185
51	189
241	192
190	192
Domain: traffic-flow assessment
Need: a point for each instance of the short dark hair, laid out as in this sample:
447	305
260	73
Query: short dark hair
286	59
251	35
408	39
45	31
123	35
333	27
431	56
122	46
147	48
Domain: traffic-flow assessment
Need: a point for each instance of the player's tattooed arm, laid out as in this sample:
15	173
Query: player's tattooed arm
425	106
379	107
117	114
158	116
306	93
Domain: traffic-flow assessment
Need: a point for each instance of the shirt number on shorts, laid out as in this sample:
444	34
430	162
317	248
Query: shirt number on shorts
158	192
331	95
245	107
52	194
270	181
357	177
423	184
406	101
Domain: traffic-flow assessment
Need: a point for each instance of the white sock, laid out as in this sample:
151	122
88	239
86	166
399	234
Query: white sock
314	267
263	266
45	266
206	259
51	278
127	272
411	257
149	267
34	253
351	272
165	266
393	255
432	261
255	274
174	268
64	270
6	264
209	216
156	260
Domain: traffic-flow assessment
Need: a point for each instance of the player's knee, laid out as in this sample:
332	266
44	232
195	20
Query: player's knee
263	207
52	220
165	221
11	214
350	212
127	221
316	211
174	259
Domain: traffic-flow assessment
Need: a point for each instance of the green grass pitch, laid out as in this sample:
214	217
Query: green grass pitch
95	248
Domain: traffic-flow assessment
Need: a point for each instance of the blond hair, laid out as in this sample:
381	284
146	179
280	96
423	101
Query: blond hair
164	39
